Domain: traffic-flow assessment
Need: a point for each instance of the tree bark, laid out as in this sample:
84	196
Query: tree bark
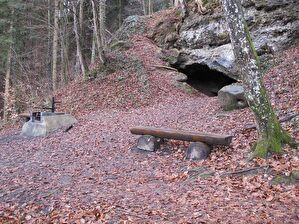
119	13
96	31
271	136
93	49
144	7
49	53
55	44
64	50
81	16
150	6
102	22
78	43
183	5
7	78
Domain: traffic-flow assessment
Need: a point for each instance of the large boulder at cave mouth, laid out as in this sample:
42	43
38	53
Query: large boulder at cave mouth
232	97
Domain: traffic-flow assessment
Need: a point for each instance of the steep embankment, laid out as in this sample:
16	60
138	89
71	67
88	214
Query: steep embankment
90	174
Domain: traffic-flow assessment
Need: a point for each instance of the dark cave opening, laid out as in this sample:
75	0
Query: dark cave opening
204	79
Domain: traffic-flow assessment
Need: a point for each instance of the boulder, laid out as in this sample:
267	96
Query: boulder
180	77
132	25
198	151
232	97
148	143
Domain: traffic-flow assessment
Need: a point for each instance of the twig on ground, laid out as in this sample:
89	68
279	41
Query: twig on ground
244	171
165	67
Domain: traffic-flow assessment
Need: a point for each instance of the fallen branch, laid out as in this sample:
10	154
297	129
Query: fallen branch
281	120
68	128
165	67
244	171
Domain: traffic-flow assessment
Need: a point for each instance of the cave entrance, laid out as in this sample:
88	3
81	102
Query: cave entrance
206	80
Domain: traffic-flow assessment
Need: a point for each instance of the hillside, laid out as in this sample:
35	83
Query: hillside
90	174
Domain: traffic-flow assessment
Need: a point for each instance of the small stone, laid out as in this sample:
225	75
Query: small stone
198	151
28	217
148	143
197	214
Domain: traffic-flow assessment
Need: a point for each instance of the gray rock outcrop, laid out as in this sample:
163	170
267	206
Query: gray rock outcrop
232	97
204	39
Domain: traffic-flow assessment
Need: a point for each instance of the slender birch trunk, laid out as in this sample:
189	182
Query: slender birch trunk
271	136
55	44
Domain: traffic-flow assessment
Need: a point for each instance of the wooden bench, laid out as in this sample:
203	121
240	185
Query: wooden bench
200	148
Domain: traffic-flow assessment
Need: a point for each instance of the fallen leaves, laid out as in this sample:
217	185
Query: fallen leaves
89	175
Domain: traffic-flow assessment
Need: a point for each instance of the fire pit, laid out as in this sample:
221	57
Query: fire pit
43	123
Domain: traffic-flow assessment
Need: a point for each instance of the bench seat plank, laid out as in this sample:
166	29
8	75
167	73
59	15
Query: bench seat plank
209	138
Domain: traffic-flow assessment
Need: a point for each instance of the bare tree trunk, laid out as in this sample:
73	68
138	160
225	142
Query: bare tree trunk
102	30
49	54
7	79
77	37
64	50
119	13
55	44
271	136
96	32
81	16
93	49
144	7
184	8
150	6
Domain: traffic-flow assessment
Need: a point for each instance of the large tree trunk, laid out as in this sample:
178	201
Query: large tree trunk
7	79
271	136
55	44
78	43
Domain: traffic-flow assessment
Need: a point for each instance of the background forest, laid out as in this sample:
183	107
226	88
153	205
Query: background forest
46	44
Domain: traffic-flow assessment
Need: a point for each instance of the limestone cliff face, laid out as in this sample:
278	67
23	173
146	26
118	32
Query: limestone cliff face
204	39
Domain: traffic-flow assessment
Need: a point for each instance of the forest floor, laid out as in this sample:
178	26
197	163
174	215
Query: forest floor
90	174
